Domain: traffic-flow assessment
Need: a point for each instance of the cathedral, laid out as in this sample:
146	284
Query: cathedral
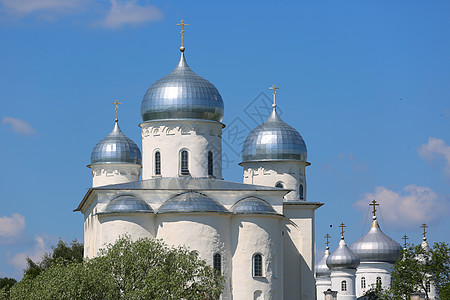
259	233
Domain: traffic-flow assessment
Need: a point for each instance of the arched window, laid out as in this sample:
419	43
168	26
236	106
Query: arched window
217	263
157	163
343	286
257	265
300	191
378	282
363	282
279	184
428	287
210	164
184	164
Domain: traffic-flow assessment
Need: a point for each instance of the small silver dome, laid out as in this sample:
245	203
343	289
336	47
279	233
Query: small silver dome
127	204
253	205
376	246
116	148
274	140
182	95
342	257
322	269
191	202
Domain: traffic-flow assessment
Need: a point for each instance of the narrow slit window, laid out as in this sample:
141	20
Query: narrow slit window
210	164
363	282
300	191
378	282
344	286
257	265
184	163
157	163
217	263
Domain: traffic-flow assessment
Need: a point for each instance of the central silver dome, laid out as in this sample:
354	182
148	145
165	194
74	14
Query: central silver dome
274	140
191	202
182	95
376	246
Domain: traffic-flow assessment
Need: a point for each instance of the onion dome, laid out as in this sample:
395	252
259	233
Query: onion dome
253	205
116	148
191	202
376	246
322	269
342	257
274	140
182	95
127	204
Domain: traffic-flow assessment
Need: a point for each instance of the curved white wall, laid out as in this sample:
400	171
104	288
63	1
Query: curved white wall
170	137
106	174
205	233
337	276
322	284
250	235
268	173
370	271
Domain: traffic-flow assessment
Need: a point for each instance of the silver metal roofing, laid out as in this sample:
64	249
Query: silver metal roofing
182	95
191	202
253	205
274	140
116	148
188	183
342	257
376	246
127	204
322	269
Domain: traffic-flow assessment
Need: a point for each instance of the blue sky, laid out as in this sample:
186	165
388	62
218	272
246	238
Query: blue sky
365	83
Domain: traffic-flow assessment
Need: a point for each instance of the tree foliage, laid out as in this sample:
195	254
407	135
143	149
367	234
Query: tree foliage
144	269
419	267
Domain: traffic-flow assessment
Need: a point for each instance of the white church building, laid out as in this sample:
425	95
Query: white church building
259	234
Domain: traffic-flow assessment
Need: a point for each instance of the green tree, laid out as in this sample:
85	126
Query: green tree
5	285
419	267
74	253
144	269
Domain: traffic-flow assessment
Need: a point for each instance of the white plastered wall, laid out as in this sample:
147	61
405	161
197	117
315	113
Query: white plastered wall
105	174
339	275
290	173
251	235
323	283
169	137
370	271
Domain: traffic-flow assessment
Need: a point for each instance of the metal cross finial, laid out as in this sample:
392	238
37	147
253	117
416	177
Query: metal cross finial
182	24
274	88
374	204
424	226
342	229
327	236
117	103
405	238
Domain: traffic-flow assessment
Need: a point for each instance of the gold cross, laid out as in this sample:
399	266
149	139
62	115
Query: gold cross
117	103
274	88
342	229
405	238
374	204
182	24
424	226
327	236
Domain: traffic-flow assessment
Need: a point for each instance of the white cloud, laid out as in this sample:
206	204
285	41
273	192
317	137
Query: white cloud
26	7
129	12
436	148
19	126
414	205
37	252
11	228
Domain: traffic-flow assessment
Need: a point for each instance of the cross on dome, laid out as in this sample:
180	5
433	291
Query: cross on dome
374	204
342	230
117	103
405	238
327	236
274	88
424	226
182	24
